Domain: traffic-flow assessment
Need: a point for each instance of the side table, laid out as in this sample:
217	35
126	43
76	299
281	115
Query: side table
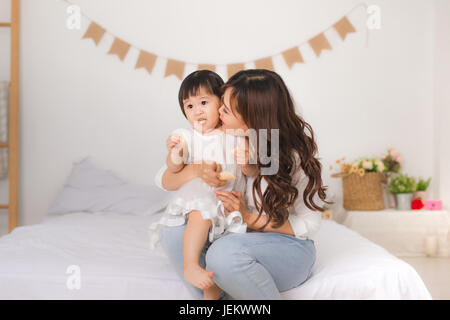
403	233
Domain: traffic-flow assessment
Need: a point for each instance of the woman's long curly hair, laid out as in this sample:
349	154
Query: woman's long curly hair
264	102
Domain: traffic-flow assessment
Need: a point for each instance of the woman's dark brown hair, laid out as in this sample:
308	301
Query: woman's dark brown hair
263	101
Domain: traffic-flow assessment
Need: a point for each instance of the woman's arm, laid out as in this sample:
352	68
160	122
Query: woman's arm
208	172
256	224
232	201
174	180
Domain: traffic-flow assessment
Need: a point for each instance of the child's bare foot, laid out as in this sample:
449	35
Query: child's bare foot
212	293
197	276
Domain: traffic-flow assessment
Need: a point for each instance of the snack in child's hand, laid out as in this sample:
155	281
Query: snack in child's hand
225	175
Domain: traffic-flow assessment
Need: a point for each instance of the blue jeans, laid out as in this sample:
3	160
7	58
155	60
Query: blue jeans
254	265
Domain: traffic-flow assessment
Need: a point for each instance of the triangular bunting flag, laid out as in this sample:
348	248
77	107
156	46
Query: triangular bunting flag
120	48
264	63
210	67
319	43
343	27
234	68
292	56
94	32
146	60
175	67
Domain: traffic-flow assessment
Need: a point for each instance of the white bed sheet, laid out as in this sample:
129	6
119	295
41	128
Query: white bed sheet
112	251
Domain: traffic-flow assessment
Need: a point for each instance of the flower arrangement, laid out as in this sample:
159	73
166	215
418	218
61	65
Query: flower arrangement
402	183
361	166
392	161
422	185
361	183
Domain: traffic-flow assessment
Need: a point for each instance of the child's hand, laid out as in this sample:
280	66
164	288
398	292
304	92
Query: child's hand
173	141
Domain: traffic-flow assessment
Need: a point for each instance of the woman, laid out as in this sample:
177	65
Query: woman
279	254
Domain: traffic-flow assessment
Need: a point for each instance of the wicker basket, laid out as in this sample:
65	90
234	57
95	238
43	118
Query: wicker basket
362	193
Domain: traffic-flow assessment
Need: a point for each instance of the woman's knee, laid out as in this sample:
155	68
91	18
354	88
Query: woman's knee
226	255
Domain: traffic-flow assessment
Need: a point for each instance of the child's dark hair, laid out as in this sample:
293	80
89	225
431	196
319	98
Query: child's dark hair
206	79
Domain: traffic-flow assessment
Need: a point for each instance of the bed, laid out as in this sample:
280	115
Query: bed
109	253
94	243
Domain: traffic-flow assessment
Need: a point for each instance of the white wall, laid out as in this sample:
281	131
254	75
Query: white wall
77	100
442	99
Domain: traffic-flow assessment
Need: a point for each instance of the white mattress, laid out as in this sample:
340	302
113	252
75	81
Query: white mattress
112	251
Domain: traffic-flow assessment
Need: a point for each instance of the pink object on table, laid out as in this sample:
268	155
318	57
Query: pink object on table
433	205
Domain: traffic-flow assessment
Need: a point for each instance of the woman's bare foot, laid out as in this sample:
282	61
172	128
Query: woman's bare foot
197	276
212	293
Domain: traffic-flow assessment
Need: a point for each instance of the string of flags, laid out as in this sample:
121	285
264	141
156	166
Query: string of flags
291	56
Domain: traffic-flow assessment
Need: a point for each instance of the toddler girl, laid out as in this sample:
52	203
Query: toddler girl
200	99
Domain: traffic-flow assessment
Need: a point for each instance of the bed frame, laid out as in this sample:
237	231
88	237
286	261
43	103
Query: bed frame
13	143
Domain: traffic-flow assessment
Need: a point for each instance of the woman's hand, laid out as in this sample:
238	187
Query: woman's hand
232	201
209	172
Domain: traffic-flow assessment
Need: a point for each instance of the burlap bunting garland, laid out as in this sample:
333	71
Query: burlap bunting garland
147	60
119	48
343	27
175	67
94	32
292	56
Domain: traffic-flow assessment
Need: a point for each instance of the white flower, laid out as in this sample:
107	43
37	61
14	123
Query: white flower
367	164
380	165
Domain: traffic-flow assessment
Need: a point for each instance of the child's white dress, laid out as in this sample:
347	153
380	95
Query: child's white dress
197	195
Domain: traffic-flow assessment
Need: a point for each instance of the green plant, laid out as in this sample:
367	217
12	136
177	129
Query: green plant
401	183
422	185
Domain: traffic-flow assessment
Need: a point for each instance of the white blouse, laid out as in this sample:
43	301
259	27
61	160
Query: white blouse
304	222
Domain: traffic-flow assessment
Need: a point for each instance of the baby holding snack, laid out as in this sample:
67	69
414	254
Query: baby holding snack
200	100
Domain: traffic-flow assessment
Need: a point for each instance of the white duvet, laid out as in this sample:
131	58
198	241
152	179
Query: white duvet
111	253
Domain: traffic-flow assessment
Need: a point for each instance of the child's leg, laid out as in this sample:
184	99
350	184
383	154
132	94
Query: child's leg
212	293
194	239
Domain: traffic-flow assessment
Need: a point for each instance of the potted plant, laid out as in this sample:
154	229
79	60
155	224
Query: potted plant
421	192
403	186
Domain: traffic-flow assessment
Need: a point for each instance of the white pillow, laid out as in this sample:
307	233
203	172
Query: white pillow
90	188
